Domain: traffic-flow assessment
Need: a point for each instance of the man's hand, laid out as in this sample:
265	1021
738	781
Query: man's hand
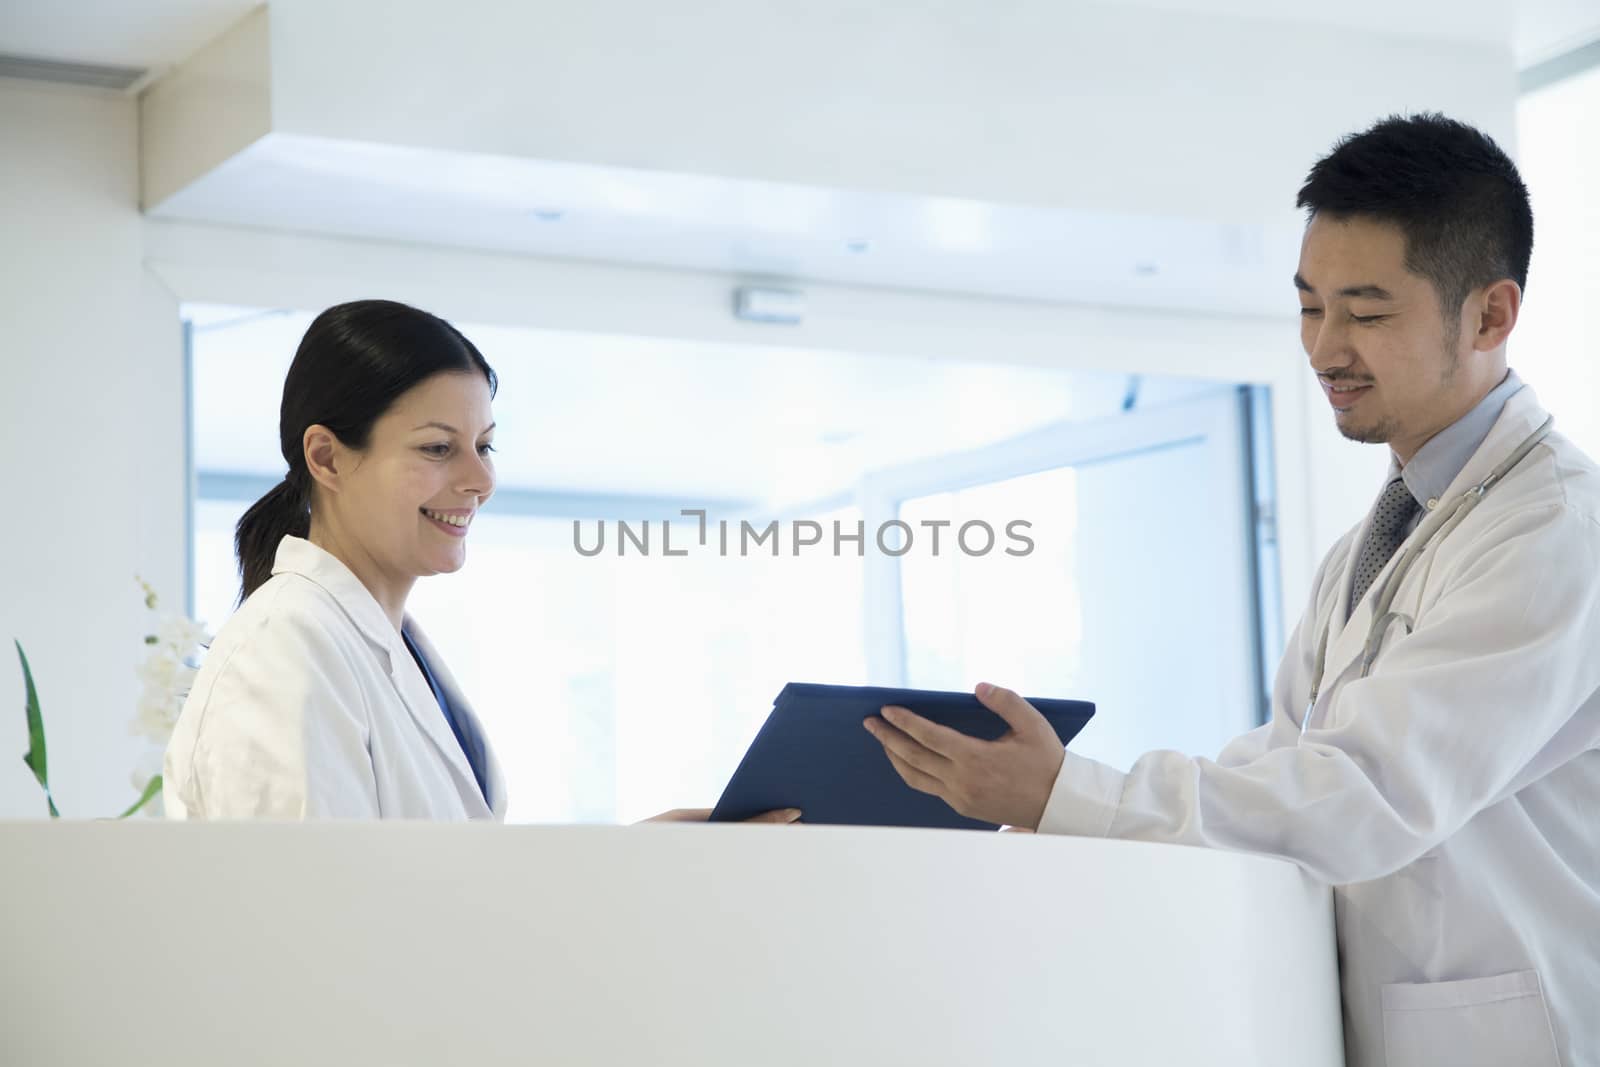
782	815
1006	781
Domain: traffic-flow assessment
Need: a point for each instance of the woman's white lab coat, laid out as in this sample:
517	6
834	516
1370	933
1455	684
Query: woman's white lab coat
1452	797
309	705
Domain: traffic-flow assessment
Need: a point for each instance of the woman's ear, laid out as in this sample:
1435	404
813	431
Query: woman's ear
324	456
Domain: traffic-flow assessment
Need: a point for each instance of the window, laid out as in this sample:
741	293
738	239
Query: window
1141	597
1553	347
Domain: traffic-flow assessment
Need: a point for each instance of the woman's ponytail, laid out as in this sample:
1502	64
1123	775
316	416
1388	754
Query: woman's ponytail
284	511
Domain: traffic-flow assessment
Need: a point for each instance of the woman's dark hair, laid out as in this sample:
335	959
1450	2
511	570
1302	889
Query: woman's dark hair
1452	192
355	360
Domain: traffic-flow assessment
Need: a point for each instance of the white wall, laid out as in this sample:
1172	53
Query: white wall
91	430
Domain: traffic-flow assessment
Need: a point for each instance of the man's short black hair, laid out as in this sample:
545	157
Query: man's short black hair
1452	192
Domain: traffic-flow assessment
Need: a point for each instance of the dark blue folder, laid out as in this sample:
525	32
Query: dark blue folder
813	754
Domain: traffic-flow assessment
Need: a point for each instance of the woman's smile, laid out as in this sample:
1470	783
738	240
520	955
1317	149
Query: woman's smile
453	521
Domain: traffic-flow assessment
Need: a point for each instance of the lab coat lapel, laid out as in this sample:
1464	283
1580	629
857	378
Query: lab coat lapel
1347	637
1520	417
300	556
493	792
1351	643
418	698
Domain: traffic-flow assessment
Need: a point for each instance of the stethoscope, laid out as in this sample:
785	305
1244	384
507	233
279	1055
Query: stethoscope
1437	525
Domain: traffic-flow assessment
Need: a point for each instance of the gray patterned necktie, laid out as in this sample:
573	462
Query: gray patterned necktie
1395	508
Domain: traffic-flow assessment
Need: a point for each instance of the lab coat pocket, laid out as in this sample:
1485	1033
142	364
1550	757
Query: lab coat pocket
1480	1021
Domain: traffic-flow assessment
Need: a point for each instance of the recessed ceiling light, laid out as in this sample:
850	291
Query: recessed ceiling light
858	245
547	214
1146	270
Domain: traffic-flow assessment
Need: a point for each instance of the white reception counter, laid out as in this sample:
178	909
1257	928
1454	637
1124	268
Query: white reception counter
399	944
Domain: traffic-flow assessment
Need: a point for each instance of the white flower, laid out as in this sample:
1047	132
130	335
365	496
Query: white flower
155	719
166	674
158	671
182	637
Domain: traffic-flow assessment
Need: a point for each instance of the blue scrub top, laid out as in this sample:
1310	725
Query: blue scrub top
471	744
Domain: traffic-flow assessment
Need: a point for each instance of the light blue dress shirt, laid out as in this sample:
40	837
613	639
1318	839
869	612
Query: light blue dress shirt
1438	462
1445	455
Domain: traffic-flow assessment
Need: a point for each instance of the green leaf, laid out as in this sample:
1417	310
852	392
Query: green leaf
149	791
36	757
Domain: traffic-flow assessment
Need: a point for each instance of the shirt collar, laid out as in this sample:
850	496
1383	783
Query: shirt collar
1446	453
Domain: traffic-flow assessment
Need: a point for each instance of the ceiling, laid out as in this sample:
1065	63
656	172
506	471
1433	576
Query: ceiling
123	33
750	229
1535	29
754	229
157	33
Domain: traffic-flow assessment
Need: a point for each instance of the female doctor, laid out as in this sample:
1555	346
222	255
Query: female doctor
321	697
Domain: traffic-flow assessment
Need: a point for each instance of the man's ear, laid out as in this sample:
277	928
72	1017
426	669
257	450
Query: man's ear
1498	308
325	456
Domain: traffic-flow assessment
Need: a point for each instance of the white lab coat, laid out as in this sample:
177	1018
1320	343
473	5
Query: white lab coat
309	705
1452	797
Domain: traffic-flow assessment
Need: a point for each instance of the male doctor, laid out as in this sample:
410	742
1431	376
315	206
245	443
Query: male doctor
1434	746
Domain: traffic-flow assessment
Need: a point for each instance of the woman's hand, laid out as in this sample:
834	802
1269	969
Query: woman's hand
782	815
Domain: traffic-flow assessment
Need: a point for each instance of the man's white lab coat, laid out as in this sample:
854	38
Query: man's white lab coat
1452	797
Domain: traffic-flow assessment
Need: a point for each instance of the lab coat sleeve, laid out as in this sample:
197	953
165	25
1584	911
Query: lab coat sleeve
1492	689
284	733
